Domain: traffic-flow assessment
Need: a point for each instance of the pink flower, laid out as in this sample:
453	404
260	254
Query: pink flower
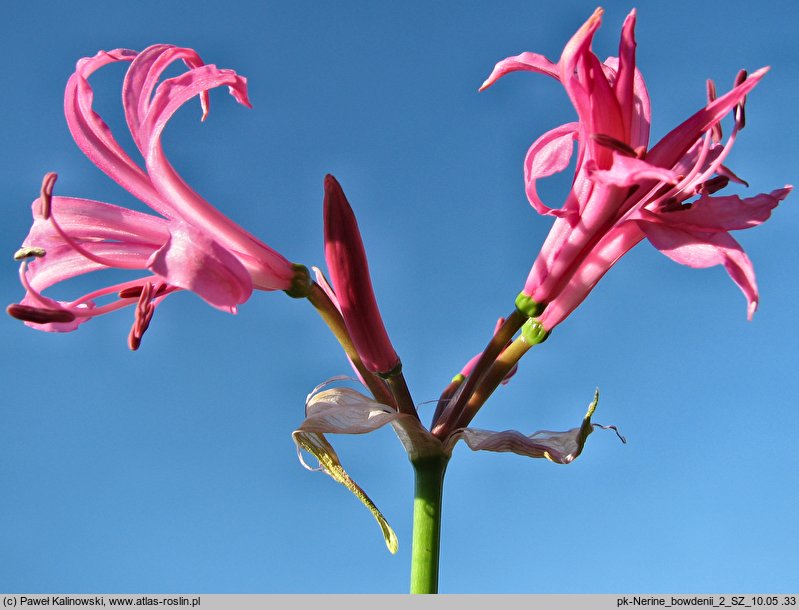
190	246
349	272
623	190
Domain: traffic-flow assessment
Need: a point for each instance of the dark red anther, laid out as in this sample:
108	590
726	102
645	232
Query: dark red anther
672	204
740	112
711	91
144	313
132	292
39	315
708	187
614	144
46	193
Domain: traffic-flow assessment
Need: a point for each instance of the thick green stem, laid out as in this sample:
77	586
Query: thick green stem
429	484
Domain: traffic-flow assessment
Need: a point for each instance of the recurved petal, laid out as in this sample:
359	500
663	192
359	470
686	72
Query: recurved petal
641	118
85	219
181	200
191	259
530	62
269	270
548	155
583	76
142	77
174	92
703	249
64	262
726	213
558	447
93	136
625	76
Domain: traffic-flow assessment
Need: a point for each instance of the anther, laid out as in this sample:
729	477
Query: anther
133	292
46	193
29	252
715	131
672	204
740	112
711	91
39	315
144	313
708	187
614	144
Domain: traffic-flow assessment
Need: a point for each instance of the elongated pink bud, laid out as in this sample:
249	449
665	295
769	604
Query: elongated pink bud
349	272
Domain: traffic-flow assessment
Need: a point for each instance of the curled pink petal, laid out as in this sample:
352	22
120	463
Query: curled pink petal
548	155
93	136
726	213
531	62
192	260
701	250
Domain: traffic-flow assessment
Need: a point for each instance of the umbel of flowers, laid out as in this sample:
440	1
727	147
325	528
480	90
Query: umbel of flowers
624	190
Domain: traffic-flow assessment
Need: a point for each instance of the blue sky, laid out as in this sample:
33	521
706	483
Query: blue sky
172	469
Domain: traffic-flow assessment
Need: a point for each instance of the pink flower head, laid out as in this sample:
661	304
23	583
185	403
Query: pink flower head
190	246
623	190
349	272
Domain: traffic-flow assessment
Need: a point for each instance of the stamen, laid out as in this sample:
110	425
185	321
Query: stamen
29	252
130	293
133	292
674	205
708	187
46	193
614	144
711	91
32	292
47	213
144	313
39	315
715	130
740	112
